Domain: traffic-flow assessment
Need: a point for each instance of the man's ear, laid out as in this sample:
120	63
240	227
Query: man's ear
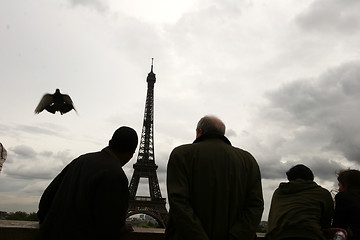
199	132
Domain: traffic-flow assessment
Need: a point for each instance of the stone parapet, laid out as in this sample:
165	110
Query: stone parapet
23	230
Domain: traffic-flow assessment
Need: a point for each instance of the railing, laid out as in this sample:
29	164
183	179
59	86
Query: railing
23	230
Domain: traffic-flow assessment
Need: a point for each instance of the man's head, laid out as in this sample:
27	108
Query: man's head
210	124
300	171
124	142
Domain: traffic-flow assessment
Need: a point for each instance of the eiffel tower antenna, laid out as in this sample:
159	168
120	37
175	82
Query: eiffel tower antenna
145	166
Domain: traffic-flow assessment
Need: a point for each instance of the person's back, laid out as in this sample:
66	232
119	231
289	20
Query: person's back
89	198
300	209
214	191
84	199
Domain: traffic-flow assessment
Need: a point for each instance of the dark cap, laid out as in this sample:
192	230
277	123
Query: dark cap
124	139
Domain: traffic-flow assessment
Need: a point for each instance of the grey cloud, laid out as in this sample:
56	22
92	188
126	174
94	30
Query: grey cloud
346	139
273	169
24	151
10	184
327	105
34	168
37	130
231	133
46	153
30	174
331	16
197	26
316	164
3	128
98	5
35	187
63	155
25	163
127	38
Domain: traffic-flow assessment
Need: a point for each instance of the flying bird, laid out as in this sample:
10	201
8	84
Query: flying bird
55	102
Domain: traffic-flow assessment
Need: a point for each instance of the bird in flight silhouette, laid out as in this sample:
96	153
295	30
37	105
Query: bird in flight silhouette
55	102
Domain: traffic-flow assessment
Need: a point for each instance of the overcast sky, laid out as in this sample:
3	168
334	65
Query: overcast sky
284	76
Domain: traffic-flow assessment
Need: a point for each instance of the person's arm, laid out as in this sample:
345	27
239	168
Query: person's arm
110	204
187	224
328	210
340	213
248	221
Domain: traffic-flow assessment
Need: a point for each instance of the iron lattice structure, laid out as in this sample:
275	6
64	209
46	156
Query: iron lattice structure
145	166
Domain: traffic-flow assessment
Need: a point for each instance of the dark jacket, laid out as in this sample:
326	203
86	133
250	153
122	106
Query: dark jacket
87	200
214	191
300	209
347	214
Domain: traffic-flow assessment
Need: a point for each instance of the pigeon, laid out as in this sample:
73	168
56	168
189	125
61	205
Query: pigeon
55	102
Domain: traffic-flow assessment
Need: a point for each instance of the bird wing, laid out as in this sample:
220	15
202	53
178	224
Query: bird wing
68	101
45	101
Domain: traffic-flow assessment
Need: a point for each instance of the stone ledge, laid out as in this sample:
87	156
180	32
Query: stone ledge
24	230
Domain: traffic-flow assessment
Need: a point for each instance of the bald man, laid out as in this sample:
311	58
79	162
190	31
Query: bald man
214	189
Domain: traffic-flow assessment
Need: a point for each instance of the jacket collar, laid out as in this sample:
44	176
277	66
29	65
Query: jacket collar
212	136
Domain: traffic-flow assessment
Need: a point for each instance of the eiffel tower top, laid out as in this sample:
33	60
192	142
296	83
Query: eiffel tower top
151	78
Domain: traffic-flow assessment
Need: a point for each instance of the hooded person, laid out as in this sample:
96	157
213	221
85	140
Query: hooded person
300	209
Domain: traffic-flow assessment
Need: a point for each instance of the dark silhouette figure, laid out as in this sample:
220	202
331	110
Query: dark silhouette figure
88	199
347	203
214	188
55	102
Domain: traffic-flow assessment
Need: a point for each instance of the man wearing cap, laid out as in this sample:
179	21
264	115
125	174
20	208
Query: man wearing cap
89	198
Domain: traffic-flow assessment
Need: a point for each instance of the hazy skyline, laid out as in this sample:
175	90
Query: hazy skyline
282	75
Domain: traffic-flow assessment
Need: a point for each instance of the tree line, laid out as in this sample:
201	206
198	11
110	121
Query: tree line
19	215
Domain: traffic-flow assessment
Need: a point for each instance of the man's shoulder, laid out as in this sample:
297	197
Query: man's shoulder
240	150
345	196
321	192
244	153
100	159
321	189
87	155
101	163
194	147
183	147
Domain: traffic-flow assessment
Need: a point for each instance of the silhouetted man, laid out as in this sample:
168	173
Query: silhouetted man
89	198
214	189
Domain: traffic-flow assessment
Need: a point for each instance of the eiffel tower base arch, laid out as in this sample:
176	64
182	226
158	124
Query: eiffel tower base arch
154	208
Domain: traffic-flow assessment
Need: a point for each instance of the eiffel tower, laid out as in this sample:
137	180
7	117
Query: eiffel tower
145	166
